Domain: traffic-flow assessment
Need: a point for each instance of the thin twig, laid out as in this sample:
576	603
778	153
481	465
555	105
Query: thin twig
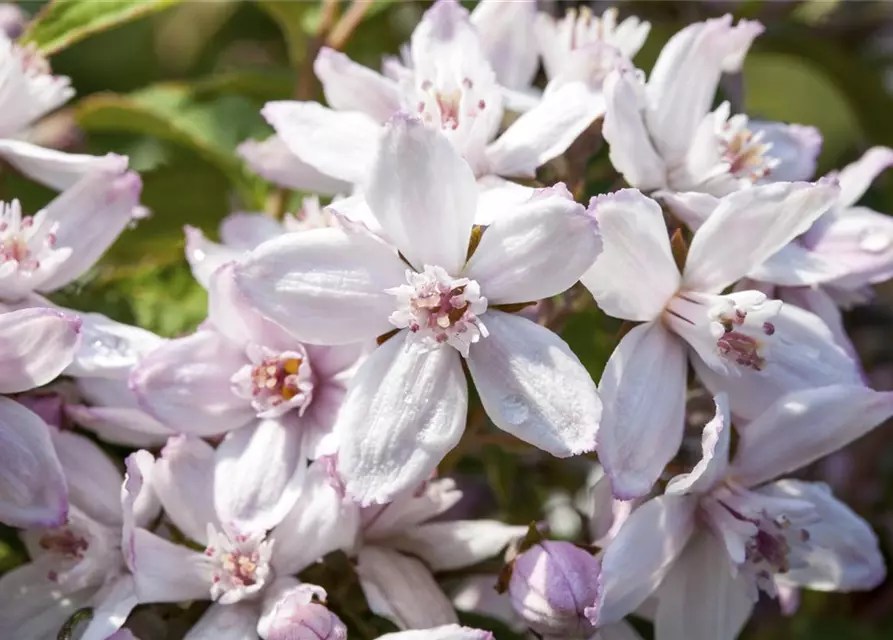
348	22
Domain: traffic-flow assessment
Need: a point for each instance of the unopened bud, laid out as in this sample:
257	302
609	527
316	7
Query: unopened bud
12	20
554	588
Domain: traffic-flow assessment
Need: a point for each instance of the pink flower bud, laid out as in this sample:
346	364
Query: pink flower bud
12	20
296	617
554	588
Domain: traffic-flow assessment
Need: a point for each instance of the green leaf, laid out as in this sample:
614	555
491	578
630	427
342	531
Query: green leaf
211	128
64	22
296	20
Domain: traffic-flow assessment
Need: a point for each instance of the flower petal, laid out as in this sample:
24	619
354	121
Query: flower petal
804	356
618	631
340	144
258	475
477	594
226	622
843	552
714	463
804	426
94	483
349	86
394	435
644	550
410	509
140	504
516	259
273	160
632	152
114	602
32	606
424	195
859	243
700	599
35	346
634	276
796	266
684	79
643	388
185	383
533	386
58	170
183	479
748	227
205	256
326	286
32	484
88	218
168	572
248	230
545	131
402	589
444	632
506	31
855	178
320	519
109	349
456	543
796	146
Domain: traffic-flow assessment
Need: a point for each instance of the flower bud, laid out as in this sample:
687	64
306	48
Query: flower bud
554	588
12	20
296	617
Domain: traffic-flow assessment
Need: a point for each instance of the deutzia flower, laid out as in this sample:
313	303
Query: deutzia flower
397	548
407	403
245	572
242	374
445	632
35	346
742	343
450	85
724	531
662	135
85	561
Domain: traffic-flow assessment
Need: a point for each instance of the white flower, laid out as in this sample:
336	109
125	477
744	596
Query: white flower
449	83
662	135
724	531
753	348
406	407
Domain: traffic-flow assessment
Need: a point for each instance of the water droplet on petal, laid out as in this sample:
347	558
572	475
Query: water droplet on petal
514	409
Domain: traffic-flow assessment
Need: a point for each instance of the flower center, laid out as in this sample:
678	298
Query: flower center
744	150
241	564
735	328
449	106
773	532
275	382
440	309
64	542
21	242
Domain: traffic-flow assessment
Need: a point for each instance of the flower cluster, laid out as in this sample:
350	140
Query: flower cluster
353	353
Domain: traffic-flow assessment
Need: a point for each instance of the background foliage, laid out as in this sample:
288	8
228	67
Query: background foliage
178	85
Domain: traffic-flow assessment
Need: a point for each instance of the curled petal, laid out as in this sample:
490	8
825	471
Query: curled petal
35	346
273	160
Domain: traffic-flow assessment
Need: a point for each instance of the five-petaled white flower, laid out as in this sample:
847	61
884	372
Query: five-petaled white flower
407	404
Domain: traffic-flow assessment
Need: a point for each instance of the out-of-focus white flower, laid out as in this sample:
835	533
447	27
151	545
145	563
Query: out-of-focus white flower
406	406
295	616
449	83
663	135
398	546
85	560
246	572
725	530
753	348
244	375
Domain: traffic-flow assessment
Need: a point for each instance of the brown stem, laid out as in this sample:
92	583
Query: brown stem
351	19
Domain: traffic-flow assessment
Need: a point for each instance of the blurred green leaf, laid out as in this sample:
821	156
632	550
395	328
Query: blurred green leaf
63	22
211	128
263	85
